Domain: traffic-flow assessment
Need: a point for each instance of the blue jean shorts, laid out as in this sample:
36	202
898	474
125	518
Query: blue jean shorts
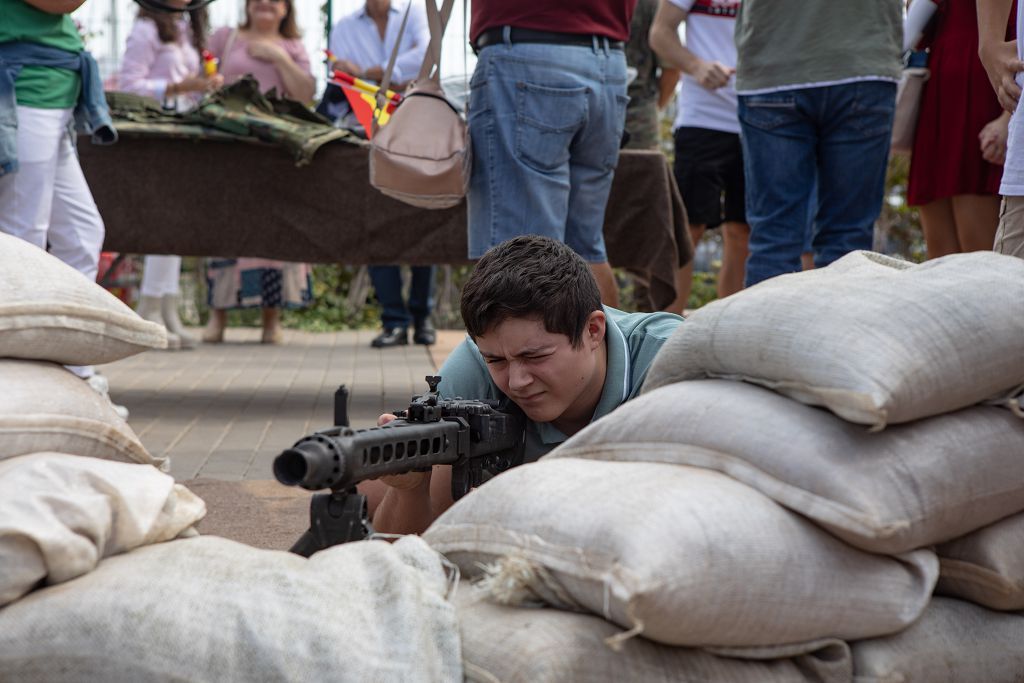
546	121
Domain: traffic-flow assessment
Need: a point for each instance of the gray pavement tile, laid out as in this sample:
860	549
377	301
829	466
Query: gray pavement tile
226	410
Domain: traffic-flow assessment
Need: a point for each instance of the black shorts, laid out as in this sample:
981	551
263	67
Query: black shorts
709	172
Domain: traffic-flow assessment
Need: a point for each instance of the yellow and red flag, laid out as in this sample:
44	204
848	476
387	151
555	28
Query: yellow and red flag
362	96
209	63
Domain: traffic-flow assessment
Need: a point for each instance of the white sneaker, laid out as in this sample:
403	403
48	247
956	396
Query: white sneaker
101	386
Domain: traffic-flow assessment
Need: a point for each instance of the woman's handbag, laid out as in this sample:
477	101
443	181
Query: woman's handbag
908	102
422	156
920	14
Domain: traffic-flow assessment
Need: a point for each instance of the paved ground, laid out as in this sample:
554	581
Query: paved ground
225	410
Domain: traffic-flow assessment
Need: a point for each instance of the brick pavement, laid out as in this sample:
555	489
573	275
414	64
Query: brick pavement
225	410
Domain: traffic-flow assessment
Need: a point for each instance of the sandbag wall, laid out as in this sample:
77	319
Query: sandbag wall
822	481
103	576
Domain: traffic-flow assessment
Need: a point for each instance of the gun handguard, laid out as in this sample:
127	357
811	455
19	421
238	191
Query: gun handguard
470	435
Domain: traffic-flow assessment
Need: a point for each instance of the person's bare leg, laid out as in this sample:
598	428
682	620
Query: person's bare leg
271	325
684	276
977	218
734	258
214	331
807	260
606	283
939	228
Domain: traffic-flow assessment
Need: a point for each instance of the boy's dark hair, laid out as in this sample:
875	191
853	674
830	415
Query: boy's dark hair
531	277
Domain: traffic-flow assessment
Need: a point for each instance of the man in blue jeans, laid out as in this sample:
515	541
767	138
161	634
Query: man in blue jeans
396	316
546	112
817	88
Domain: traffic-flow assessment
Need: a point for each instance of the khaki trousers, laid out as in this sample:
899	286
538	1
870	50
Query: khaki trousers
1010	235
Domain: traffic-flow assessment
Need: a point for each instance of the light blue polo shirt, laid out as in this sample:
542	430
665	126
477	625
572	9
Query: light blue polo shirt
633	339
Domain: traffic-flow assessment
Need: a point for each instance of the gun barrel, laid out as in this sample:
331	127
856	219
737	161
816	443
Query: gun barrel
343	457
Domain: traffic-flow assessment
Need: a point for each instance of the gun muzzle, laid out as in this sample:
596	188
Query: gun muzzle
309	464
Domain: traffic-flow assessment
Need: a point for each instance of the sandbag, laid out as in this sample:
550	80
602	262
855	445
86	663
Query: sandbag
874	339
210	609
43	407
540	645
50	311
60	514
904	488
681	555
986	566
954	642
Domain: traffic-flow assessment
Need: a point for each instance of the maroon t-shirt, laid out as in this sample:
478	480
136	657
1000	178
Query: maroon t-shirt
608	18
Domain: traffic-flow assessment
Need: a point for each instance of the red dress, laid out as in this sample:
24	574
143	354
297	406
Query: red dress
957	102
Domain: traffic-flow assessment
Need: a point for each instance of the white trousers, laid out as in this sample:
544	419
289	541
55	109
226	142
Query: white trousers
47	201
160	275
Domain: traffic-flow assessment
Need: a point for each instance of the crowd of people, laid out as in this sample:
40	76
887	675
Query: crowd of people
781	137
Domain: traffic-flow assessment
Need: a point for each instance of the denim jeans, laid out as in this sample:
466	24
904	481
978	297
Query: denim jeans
387	282
837	136
546	122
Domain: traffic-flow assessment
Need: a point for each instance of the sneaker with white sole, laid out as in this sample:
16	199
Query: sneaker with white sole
101	386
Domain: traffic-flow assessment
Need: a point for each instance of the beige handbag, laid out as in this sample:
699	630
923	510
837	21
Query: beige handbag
908	105
422	156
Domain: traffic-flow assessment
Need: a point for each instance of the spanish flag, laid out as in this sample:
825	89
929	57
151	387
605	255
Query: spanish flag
362	96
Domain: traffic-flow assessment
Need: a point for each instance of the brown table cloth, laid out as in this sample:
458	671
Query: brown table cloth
215	198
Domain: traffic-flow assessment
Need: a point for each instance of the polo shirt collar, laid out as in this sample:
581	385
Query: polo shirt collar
616	379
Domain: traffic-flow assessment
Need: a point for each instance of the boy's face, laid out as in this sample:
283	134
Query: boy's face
541	371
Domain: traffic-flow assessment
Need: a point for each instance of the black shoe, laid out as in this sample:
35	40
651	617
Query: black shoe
425	333
396	336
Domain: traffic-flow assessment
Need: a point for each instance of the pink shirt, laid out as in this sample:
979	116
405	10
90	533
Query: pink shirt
238	63
149	65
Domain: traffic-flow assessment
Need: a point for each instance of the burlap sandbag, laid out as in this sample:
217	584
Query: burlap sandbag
60	514
954	642
906	487
50	311
540	645
43	407
986	566
210	609
682	555
876	340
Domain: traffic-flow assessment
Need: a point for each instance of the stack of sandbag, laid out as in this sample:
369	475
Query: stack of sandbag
103	576
76	484
718	514
50	316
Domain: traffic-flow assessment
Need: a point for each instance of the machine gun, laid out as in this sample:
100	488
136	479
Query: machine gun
473	436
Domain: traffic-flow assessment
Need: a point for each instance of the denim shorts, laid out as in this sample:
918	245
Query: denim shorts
546	121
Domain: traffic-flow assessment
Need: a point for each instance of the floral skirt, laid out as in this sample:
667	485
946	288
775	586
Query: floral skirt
254	282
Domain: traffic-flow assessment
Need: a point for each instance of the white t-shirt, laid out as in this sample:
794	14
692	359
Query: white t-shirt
1013	168
709	35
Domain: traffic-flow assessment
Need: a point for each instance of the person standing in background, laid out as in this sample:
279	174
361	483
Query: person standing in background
1004	62
44	197
267	46
362	43
709	155
654	85
547	109
161	60
960	139
817	89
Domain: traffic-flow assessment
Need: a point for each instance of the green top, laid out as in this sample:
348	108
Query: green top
633	339
788	43
39	86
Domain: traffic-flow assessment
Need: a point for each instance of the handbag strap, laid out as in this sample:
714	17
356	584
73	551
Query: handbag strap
437	21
